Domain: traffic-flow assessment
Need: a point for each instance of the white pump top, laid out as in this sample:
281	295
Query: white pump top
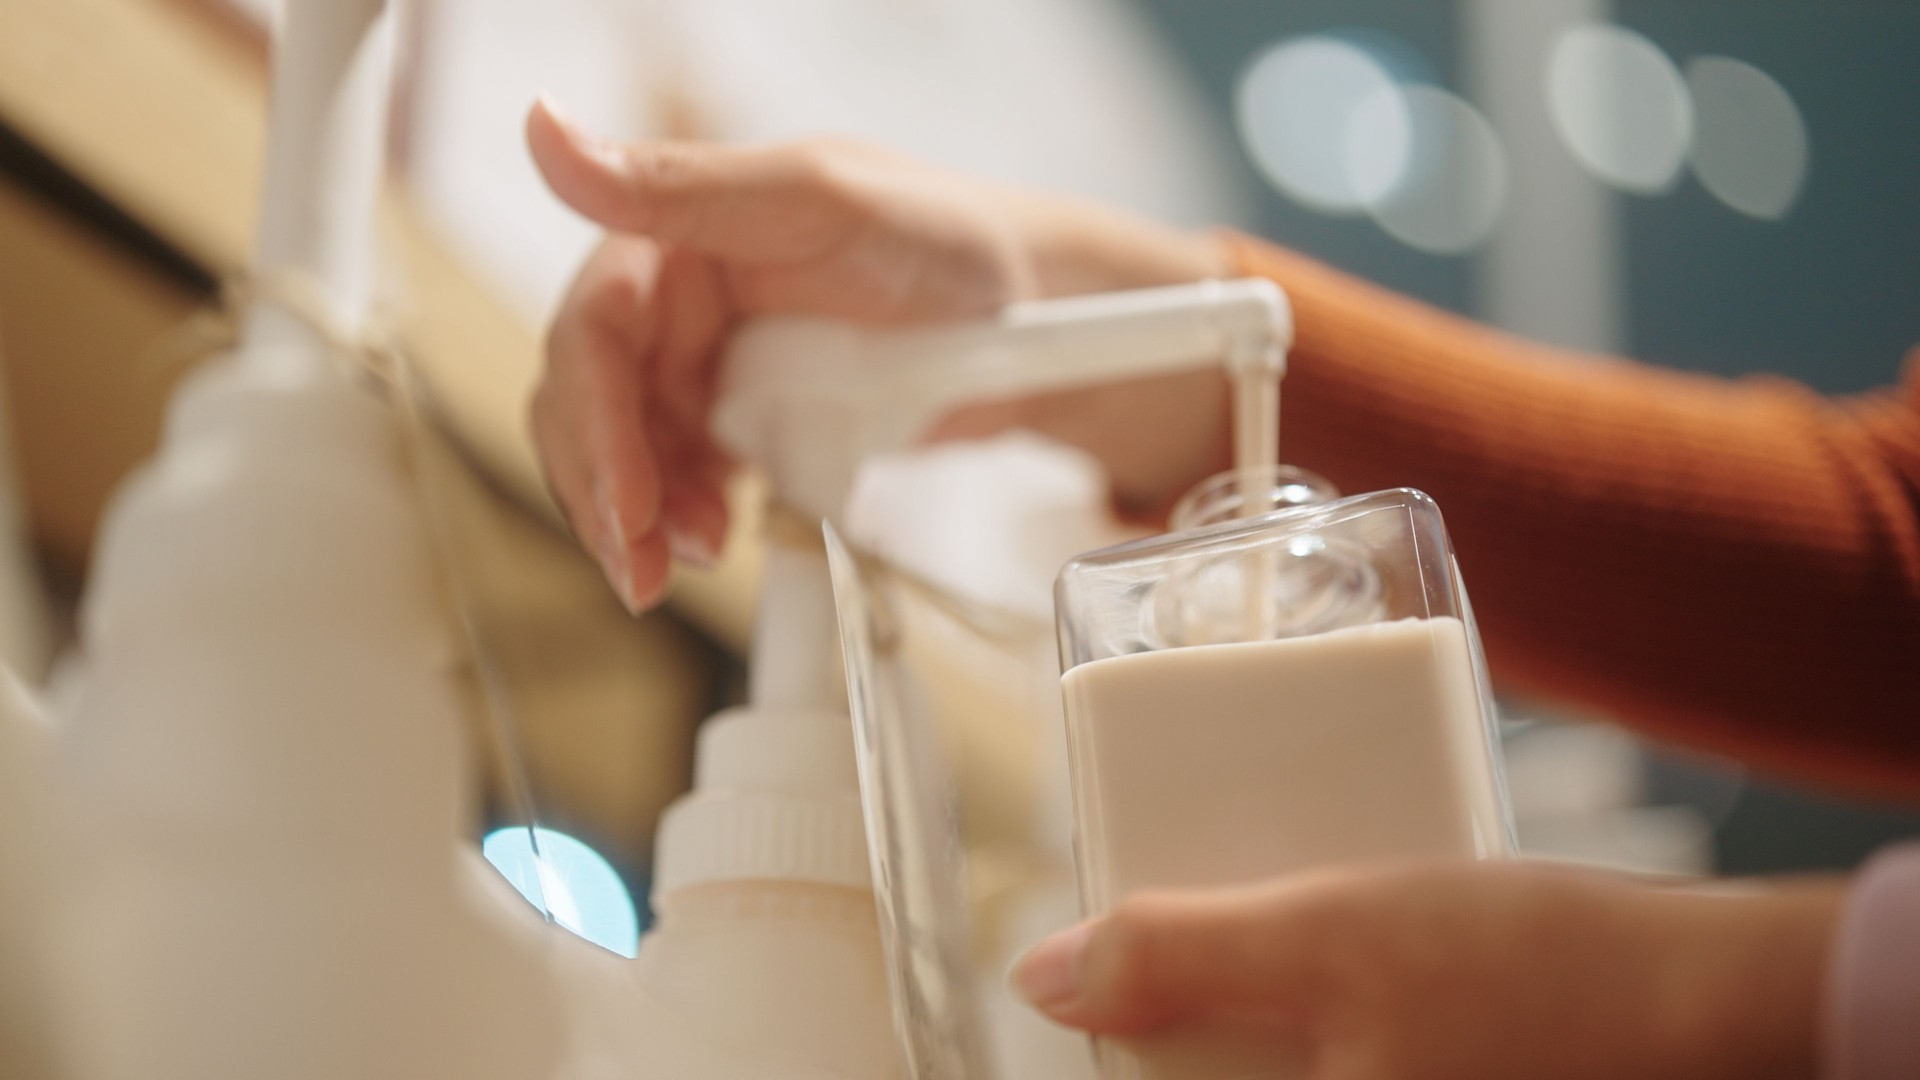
808	401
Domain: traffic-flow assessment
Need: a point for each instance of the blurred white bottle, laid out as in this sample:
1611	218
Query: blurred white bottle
264	773
767	945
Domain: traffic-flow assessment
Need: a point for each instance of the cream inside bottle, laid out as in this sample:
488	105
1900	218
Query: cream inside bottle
1267	734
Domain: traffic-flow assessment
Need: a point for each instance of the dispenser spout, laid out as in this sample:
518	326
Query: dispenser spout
809	399
792	667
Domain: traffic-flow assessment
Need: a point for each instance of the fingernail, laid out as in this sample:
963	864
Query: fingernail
616	562
653	599
602	150
1050	972
691	548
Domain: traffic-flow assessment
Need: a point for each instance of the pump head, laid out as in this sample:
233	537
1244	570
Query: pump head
807	400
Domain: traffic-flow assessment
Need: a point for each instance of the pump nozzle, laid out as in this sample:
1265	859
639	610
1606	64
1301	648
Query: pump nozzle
809	399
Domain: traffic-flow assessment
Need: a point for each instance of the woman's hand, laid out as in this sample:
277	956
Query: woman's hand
702	236
1470	971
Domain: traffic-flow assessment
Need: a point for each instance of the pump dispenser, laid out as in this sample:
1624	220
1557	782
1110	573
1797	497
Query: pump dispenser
808	401
766	940
767	936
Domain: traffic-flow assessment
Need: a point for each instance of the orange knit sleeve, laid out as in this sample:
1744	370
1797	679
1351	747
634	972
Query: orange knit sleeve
1729	564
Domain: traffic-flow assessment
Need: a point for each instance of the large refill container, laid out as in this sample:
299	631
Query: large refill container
1253	695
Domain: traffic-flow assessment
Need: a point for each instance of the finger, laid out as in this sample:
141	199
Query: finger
693	509
590	420
1160	959
637	570
695	523
553	421
754	203
564	469
684	367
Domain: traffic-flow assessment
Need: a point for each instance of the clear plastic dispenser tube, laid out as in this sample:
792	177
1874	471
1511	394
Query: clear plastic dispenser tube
1352	722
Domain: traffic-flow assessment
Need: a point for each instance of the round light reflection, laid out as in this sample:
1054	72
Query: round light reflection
1453	183
1295	108
1750	149
571	882
1621	106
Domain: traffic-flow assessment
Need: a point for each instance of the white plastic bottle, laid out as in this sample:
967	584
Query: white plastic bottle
263	778
767	943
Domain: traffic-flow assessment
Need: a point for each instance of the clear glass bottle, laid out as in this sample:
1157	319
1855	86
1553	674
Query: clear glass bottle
1260	692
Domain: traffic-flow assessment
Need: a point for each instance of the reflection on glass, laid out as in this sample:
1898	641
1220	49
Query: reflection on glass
577	887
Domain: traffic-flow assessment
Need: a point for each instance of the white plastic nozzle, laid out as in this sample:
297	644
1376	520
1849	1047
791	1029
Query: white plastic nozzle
809	399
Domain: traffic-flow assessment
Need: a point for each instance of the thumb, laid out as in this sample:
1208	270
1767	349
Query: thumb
1161	959
754	203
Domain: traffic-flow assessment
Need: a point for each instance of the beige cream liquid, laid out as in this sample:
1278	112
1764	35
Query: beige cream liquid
1222	764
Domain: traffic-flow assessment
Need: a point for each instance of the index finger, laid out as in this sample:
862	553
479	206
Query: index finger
753	203
589	417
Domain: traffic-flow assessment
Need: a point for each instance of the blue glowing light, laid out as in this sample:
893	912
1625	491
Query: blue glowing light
569	880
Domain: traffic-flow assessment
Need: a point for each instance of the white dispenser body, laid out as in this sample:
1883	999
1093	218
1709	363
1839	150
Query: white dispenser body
767	943
782	972
811	401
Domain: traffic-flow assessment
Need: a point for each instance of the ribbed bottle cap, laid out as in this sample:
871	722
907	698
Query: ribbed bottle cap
775	798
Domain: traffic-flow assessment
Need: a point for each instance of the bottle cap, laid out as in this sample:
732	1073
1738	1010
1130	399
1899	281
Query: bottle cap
775	798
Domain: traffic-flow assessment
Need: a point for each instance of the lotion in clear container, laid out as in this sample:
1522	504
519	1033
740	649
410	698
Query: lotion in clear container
1253	695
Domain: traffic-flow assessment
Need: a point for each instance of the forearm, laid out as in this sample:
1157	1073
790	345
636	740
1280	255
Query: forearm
1679	551
1730	564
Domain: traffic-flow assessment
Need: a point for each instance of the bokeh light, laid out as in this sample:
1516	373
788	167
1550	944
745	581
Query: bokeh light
571	881
1452	185
1621	107
1750	143
1296	107
1338	124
